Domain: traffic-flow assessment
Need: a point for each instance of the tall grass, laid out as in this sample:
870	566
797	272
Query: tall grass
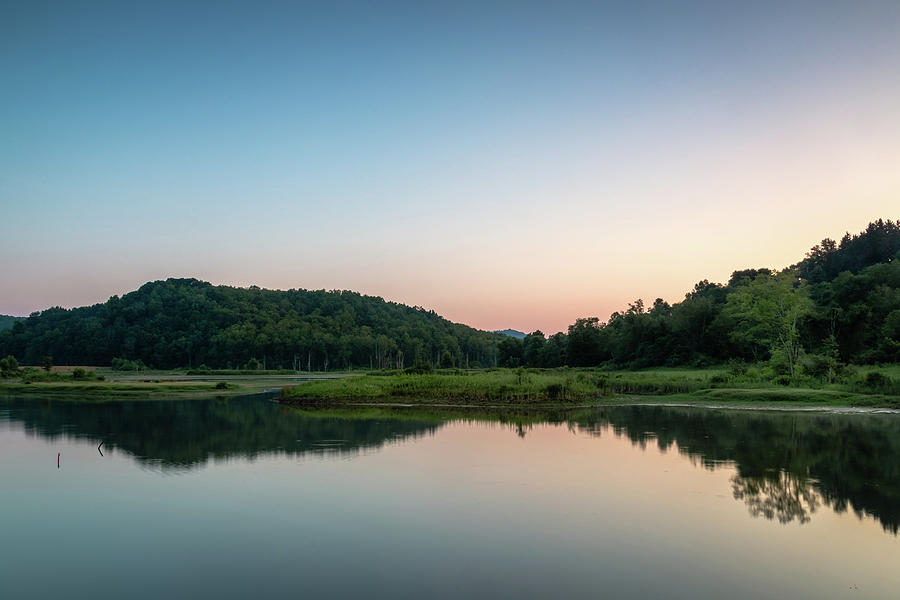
532	386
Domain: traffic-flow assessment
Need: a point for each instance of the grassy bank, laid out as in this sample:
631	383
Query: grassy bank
567	387
106	389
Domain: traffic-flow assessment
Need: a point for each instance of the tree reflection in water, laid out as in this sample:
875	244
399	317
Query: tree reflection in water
787	464
784	496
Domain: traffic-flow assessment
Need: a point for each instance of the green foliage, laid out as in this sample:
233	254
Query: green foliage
9	366
510	352
767	312
47	363
737	367
178	322
122	364
30	376
879	383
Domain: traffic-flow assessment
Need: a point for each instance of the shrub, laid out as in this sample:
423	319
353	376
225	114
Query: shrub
821	366
79	373
737	368
880	383
9	366
782	380
123	364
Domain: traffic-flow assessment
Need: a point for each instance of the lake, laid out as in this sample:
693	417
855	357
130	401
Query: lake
245	498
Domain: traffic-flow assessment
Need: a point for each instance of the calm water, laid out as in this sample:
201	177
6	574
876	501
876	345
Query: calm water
244	498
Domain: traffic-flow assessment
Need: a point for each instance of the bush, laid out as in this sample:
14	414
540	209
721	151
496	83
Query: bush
737	368
822	367
123	364
222	385
880	383
779	364
79	373
719	378
9	366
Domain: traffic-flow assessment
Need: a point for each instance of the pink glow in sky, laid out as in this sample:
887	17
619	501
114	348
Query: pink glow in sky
508	169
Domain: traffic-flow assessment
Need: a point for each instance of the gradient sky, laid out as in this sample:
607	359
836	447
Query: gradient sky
514	165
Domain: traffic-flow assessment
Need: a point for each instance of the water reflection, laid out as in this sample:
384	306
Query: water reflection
787	465
783	496
175	435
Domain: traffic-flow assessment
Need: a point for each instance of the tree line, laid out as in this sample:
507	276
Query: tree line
840	304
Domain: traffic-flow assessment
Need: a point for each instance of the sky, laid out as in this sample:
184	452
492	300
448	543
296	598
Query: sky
507	164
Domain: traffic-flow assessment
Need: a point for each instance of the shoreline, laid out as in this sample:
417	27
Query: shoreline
664	401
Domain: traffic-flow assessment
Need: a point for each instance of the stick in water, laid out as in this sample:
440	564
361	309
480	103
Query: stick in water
99	450
57	460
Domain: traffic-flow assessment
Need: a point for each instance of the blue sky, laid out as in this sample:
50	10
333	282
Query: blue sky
513	165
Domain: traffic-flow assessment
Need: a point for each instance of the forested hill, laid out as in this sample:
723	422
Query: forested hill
186	322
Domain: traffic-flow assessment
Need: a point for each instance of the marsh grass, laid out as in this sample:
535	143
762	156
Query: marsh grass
568	386
506	385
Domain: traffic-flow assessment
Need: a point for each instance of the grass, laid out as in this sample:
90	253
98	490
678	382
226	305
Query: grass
536	387
104	389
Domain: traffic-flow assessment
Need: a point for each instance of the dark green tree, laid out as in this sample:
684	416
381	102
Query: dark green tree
533	349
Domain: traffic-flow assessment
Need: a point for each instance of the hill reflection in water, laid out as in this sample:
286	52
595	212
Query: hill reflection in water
787	464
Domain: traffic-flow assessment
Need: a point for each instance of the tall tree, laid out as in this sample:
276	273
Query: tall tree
768	310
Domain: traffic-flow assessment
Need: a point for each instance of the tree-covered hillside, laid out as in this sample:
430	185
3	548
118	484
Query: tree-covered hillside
186	322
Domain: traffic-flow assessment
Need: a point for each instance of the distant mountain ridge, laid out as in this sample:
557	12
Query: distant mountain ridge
511	333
